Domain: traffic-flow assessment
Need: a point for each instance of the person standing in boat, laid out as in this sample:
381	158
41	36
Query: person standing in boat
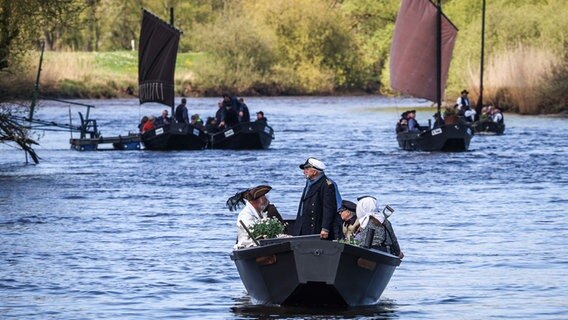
463	101
374	224
244	114
255	203
317	211
182	114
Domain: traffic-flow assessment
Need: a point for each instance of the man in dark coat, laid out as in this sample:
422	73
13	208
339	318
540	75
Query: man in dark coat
317	211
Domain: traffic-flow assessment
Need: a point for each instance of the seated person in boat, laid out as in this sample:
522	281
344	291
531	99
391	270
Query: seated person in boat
413	125
260	117
163	119
371	218
402	124
497	115
211	125
255	202
197	122
438	121
485	113
350	222
469	114
149	125
142	123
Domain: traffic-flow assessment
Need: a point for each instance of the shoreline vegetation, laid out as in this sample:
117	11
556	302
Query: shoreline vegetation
518	81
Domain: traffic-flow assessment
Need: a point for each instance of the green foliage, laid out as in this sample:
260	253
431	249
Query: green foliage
267	228
554	94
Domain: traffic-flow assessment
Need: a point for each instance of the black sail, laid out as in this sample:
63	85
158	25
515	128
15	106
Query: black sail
156	60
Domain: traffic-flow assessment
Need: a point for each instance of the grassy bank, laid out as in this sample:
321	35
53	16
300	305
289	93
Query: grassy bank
524	80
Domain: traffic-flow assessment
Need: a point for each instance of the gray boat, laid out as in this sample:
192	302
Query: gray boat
308	271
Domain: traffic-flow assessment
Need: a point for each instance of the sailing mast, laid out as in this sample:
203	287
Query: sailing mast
480	99
439	56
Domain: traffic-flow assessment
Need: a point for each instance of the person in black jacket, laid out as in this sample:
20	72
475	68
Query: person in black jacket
317	211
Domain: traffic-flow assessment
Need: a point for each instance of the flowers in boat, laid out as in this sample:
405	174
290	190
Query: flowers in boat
354	240
267	228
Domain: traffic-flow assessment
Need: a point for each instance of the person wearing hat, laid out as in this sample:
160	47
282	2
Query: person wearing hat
255	203
371	218
350	222
463	101
317	211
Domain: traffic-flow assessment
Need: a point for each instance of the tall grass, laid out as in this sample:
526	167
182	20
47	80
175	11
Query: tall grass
514	79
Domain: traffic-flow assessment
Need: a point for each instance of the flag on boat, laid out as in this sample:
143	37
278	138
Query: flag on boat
413	64
157	60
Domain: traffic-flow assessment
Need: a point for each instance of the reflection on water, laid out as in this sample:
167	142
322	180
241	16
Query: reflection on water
142	235
243	309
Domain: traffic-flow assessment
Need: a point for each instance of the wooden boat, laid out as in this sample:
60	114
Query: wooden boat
447	138
244	136
175	136
488	128
307	271
421	51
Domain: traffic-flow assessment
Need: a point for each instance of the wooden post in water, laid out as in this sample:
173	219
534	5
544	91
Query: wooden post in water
35	94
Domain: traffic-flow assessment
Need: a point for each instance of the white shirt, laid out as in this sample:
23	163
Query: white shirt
469	113
497	117
249	216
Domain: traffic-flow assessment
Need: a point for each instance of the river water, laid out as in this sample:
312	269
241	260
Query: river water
145	235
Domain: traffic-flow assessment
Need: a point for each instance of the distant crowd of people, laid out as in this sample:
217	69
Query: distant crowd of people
231	111
462	109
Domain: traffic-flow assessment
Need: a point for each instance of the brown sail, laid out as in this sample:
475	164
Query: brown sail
413	64
156	60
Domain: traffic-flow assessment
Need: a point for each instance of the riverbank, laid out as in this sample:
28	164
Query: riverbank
107	75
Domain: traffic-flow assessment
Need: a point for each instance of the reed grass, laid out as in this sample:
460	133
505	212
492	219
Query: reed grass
514	79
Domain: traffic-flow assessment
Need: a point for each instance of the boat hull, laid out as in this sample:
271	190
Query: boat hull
447	138
244	136
310	272
176	136
488	128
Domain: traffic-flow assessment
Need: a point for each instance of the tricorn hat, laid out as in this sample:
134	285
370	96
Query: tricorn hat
238	200
347	205
464	91
257	192
313	163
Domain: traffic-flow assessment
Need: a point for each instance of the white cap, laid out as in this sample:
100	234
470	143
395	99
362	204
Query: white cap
313	163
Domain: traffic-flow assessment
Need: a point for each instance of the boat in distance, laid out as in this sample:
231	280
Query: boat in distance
243	136
308	271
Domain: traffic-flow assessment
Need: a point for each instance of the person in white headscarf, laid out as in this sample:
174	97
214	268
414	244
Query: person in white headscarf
371	218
